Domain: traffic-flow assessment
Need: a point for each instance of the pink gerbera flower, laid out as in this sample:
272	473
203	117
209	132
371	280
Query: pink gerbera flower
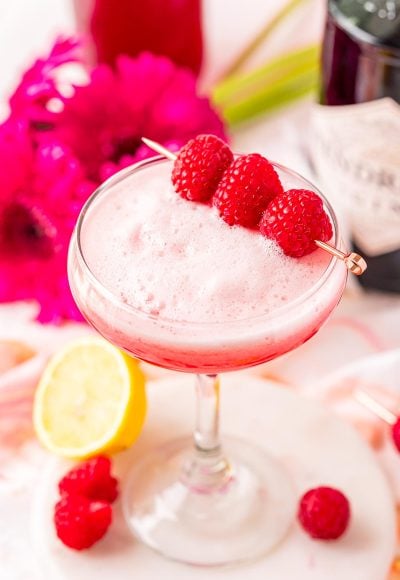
147	96
62	140
42	192
38	85
102	121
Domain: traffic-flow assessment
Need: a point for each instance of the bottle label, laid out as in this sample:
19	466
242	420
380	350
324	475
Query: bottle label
356	153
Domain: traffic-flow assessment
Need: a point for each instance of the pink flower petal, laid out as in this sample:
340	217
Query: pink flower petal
52	161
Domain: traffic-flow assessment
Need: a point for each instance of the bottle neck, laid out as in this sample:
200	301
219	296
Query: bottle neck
374	25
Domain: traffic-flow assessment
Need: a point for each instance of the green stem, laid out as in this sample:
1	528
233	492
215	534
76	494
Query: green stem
267	29
272	97
235	88
277	83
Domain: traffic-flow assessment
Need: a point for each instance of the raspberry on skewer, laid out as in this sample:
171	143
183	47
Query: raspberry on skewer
199	167
295	219
248	185
354	262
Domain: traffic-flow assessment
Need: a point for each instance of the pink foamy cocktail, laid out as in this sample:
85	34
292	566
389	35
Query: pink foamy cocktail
173	284
170	282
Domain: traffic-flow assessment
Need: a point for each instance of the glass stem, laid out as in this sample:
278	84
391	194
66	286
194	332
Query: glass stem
207	470
206	433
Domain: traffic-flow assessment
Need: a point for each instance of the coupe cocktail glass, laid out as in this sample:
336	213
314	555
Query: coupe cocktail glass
195	500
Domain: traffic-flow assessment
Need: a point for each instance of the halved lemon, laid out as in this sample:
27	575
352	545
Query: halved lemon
90	400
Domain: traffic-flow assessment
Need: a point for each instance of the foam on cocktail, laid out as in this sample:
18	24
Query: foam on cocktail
179	260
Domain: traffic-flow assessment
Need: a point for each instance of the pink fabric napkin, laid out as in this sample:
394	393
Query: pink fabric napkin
25	347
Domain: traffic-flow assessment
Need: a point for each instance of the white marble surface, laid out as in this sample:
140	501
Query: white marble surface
316	447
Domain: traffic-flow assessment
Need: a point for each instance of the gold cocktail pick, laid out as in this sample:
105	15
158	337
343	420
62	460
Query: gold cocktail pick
354	262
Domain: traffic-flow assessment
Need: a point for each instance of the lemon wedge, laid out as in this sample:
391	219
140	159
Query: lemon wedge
90	400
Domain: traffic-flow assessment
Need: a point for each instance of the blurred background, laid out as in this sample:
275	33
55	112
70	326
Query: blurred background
229	32
27	28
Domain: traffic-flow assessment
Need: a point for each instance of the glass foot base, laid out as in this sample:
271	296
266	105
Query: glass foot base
191	509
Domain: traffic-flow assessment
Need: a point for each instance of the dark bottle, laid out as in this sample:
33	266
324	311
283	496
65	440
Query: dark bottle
356	148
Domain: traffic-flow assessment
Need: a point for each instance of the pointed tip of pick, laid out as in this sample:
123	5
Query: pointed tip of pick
159	148
147	142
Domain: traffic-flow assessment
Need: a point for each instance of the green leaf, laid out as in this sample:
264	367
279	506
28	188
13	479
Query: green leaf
263	35
276	83
272	97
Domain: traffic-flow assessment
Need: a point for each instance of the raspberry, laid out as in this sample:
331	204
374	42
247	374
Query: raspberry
80	522
199	166
245	190
294	219
91	479
396	434
324	513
